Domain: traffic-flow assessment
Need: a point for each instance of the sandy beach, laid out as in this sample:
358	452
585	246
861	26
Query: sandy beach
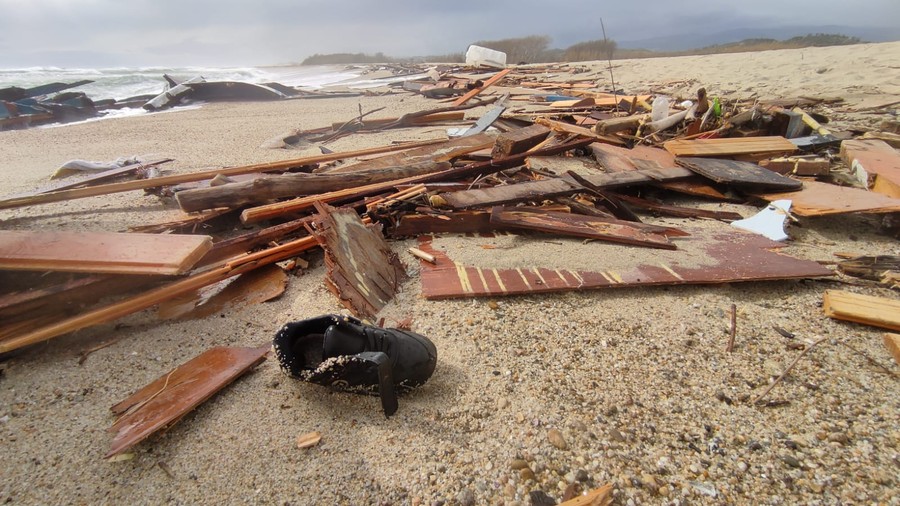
636	379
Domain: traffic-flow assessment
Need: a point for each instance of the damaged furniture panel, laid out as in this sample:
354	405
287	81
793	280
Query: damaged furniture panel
163	402
739	174
363	272
577	225
101	252
721	256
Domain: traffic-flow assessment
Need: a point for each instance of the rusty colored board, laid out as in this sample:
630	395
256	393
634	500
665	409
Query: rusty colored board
247	290
508	194
823	199
618	159
696	187
101	252
730	255
163	402
461	222
362	270
580	226
730	146
519	140
739	174
679	211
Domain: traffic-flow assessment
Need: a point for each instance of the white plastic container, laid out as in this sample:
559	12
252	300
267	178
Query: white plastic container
660	108
477	55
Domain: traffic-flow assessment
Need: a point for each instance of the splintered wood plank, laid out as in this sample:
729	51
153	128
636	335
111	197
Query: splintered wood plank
561	126
247	290
101	252
730	146
865	309
580	226
362	270
875	162
519	140
681	212
721	256
163	402
506	194
822	199
441	152
461	222
741	174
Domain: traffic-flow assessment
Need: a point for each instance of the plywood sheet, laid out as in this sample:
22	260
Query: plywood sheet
823	199
101	252
721	256
730	146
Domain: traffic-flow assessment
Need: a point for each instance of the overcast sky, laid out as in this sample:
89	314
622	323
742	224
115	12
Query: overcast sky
103	33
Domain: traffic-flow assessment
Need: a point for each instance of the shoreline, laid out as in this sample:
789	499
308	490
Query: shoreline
635	379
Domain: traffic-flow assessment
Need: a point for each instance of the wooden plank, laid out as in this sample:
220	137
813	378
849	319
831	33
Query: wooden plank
797	166
706	257
487	84
875	163
519	140
167	399
577	102
740	174
618	159
93	191
118	309
560	126
892	343
865	309
461	222
441	152
822	199
678	211
730	146
101	252
507	194
578	225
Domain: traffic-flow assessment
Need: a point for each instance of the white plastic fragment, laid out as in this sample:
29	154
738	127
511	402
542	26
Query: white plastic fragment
477	55
769	222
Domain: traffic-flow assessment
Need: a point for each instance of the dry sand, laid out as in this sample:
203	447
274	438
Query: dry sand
635	379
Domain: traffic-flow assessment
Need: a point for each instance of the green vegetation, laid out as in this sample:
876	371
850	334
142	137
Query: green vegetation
535	49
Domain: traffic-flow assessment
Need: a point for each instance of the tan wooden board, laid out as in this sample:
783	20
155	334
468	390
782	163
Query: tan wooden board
866	309
730	146
874	161
822	199
103	252
892	343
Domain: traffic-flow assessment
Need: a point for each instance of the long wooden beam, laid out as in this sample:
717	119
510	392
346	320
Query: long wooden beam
79	193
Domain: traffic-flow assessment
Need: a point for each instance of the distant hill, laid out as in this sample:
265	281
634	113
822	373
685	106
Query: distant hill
688	41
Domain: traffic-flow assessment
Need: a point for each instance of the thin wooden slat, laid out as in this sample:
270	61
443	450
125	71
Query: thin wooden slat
490	82
730	146
865	309
822	199
580	226
101	252
166	400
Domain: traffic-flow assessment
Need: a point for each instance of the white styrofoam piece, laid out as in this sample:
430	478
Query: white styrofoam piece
769	222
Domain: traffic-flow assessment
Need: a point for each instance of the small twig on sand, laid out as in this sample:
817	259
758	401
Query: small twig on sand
730	346
870	359
786	371
84	354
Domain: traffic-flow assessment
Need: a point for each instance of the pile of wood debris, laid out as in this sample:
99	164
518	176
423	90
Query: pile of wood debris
559	158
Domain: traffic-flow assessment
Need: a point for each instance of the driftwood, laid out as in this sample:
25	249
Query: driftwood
292	185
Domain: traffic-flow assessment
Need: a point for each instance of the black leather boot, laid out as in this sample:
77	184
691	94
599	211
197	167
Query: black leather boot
344	353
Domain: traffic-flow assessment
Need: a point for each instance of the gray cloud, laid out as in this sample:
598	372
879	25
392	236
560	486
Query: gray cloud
233	32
